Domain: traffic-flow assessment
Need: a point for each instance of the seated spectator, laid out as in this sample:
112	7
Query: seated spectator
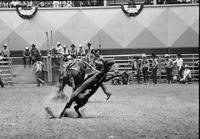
186	75
27	57
72	51
35	53
81	51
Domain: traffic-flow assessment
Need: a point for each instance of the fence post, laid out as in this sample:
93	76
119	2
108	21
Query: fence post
160	68
49	68
193	68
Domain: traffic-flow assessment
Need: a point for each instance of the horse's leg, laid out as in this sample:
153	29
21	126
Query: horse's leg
67	106
105	91
76	108
72	82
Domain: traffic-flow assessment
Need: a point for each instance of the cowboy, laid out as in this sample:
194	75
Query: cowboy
5	52
27	56
90	54
38	71
65	53
168	66
81	51
154	68
72	51
59	49
186	75
179	62
145	68
35	54
137	66
98	64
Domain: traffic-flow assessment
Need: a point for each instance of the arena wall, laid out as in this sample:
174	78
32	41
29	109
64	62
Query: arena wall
156	27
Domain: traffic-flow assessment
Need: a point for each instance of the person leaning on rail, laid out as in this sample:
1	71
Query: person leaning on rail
27	57
168	66
154	68
35	53
145	69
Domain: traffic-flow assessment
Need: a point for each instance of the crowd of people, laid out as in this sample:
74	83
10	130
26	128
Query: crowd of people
146	65
142	66
82	3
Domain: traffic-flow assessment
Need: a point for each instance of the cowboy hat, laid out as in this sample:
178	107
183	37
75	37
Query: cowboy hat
144	55
26	47
186	66
166	55
5	45
58	43
89	44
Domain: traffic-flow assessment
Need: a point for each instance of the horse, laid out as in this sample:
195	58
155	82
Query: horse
88	88
73	75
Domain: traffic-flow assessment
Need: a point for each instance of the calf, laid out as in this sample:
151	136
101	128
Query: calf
88	88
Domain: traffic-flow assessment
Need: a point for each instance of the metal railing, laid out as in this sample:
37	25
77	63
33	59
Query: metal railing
6	70
52	66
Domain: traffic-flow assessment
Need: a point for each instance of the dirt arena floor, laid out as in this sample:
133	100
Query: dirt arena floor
133	112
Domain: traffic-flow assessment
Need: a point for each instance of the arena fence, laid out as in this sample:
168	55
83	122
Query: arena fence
53	65
6	70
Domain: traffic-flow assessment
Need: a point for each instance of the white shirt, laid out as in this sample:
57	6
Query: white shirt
186	73
38	66
179	63
59	49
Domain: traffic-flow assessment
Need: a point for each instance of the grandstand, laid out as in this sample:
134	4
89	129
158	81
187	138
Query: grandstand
160	29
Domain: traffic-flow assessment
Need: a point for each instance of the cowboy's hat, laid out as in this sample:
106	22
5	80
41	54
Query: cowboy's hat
144	55
166	55
58	43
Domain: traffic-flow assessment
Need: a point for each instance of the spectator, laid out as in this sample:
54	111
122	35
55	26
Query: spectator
35	53
90	54
179	62
72	51
116	80
1	82
27	57
137	66
65	53
186	75
81	51
59	49
5	52
145	68
154	68
56	4
69	3
168	67
38	71
98	62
